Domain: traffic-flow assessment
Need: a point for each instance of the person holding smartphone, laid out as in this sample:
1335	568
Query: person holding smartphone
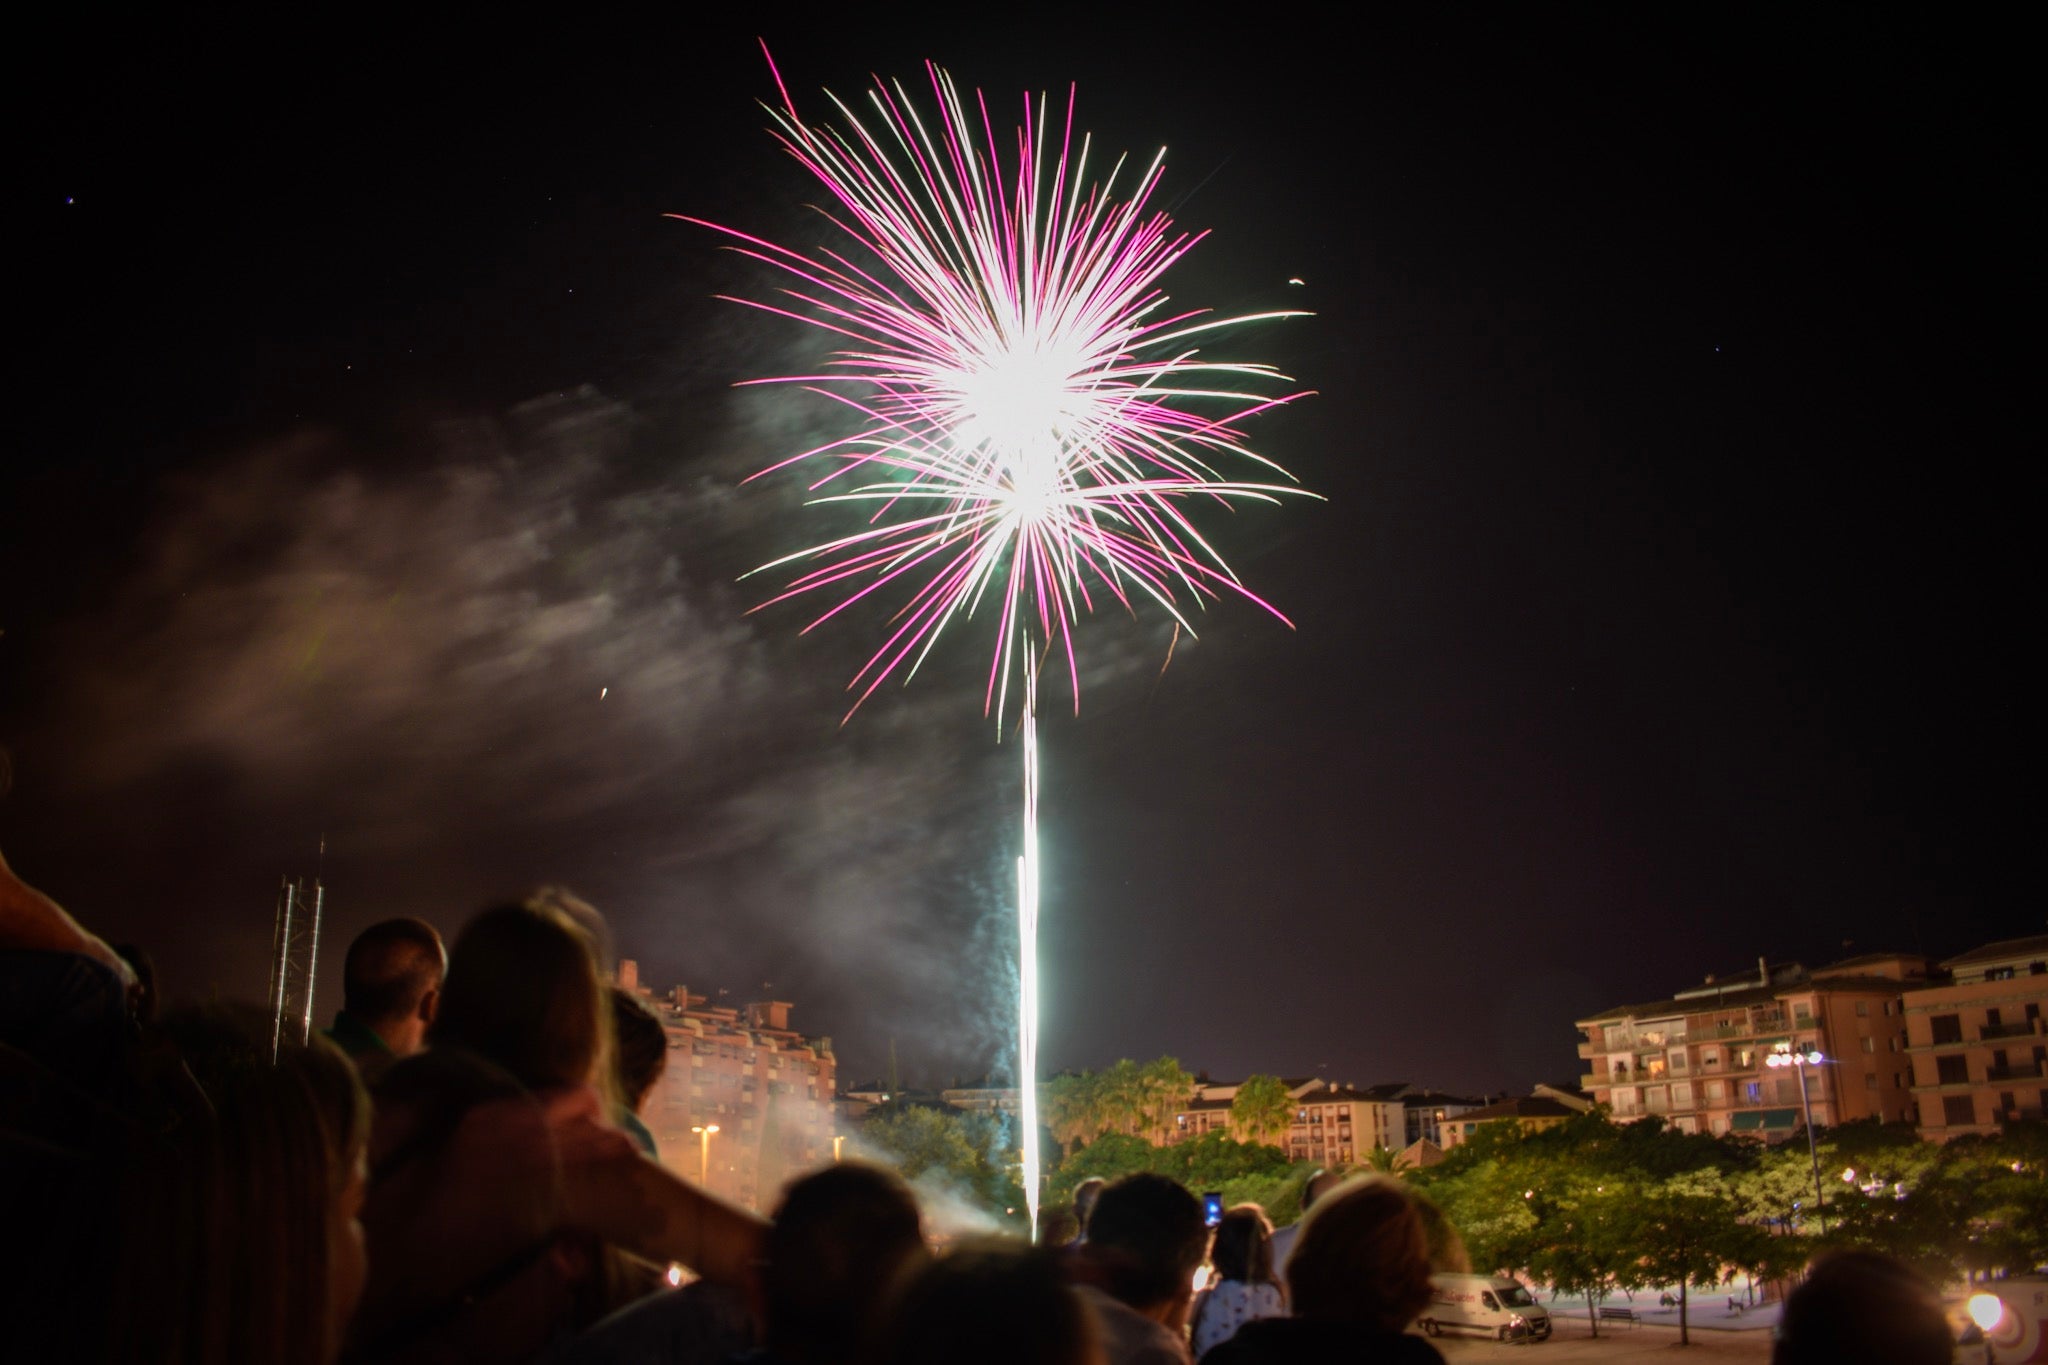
1244	1286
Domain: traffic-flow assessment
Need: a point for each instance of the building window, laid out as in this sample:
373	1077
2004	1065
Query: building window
1870	1044
1862	1009
1870	1080
1948	1028
1952	1070
1957	1109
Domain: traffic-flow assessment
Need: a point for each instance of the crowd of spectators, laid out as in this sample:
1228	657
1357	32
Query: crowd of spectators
455	1172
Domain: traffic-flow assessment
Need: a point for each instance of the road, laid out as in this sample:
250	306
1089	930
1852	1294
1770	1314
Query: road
1570	1344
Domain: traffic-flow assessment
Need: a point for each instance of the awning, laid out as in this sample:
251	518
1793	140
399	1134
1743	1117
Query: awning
1753	1119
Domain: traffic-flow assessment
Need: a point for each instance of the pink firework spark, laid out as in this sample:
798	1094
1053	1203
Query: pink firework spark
1033	420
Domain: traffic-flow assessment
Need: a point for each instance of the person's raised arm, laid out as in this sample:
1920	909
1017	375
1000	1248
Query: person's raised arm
32	922
609	1189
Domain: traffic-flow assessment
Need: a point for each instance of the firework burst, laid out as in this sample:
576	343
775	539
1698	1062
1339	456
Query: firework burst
1032	418
1032	422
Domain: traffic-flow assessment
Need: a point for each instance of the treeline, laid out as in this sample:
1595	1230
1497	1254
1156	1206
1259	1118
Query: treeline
1140	1099
1592	1207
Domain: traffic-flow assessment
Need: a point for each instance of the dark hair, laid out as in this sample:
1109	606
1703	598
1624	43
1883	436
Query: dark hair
1244	1246
1146	1236
390	968
995	1303
841	1239
1866	1307
523	991
230	1216
1320	1183
1085	1195
1362	1257
641	1048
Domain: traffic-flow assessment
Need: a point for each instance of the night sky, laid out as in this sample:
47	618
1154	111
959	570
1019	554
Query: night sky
376	470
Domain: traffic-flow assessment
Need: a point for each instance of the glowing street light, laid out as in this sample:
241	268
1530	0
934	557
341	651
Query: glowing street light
704	1132
837	1138
1783	1055
1987	1311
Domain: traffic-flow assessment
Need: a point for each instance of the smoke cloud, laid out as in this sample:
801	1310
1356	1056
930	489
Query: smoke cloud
524	657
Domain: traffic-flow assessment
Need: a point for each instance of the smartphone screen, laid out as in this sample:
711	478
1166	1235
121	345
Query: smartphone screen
1212	1209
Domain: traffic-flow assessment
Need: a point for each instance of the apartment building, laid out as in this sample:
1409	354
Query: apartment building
1698	1058
1545	1107
1333	1124
1978	1044
766	1088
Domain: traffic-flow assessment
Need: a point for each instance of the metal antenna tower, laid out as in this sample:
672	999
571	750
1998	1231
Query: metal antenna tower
294	957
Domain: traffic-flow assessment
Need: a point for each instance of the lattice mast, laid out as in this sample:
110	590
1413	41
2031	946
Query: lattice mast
294	958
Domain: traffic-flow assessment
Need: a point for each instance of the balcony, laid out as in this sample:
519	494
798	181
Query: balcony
1586	1083
2015	1071
2011	1028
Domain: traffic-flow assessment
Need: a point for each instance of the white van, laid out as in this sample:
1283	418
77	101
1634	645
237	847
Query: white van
1491	1305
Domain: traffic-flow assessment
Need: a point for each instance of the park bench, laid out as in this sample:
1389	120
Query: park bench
1610	1313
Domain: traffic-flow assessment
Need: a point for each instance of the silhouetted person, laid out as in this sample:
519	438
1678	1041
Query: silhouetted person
390	992
992	1303
1319	1184
1358	1277
1137	1268
841	1241
1245	1287
1865	1307
639	1056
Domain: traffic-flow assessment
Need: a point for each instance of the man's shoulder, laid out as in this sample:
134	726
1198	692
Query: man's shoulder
1131	1338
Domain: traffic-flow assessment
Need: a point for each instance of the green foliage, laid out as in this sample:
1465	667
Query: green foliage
1383	1159
1262	1110
972	1156
1242	1172
1127	1098
1590	1204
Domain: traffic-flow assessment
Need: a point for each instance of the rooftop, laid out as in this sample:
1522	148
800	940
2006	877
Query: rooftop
2035	947
1521	1107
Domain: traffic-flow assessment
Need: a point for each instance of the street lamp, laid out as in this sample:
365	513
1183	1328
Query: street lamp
837	1138
704	1132
1783	1055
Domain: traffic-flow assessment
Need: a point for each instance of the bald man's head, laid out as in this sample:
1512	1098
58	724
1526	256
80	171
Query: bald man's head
392	980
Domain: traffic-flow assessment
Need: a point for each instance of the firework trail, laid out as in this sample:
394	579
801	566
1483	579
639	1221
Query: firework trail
1032	422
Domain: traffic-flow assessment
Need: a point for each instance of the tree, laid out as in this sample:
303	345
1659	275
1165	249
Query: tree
1262	1111
1584	1239
1073	1108
969	1156
1688	1227
1383	1159
1165	1087
916	1139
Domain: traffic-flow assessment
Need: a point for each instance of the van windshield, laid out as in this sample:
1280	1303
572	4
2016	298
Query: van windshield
1516	1297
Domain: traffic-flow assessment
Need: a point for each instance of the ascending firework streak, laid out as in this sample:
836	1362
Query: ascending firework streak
1031	416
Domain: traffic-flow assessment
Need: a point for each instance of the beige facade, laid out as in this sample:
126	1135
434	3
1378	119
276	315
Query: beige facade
1547	1107
1333	1125
768	1088
1979	1046
1698	1058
